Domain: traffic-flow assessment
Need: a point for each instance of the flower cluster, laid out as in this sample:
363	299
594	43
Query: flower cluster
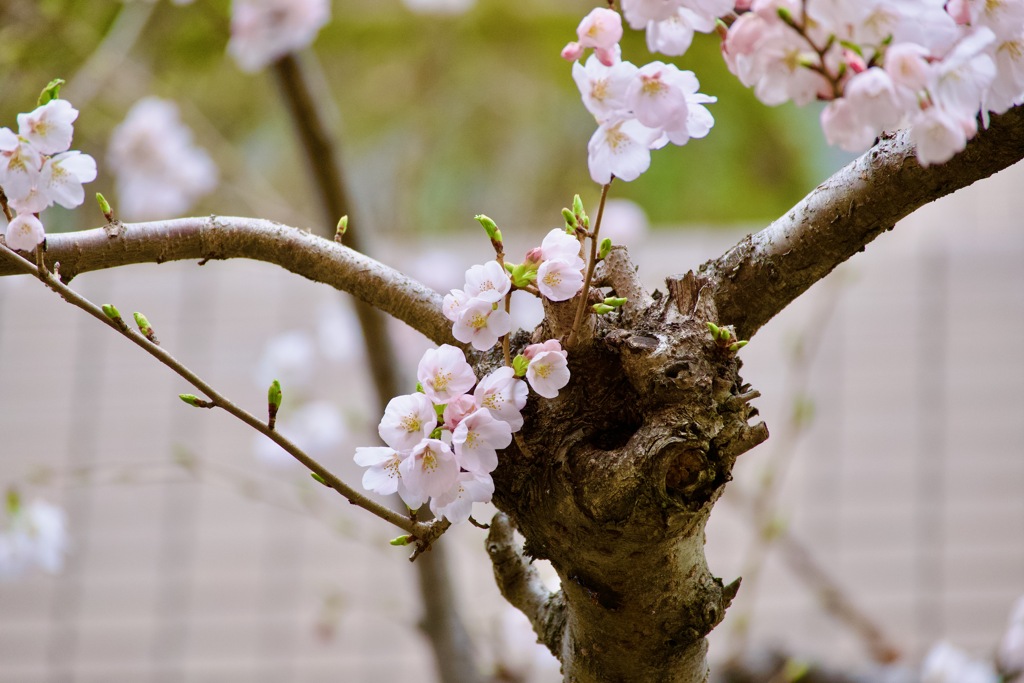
638	109
159	170
37	170
443	440
929	66
34	535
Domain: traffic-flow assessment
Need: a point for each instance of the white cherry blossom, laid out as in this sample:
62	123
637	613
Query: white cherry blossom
938	135
444	373
489	282
429	470
481	324
603	87
502	393
477	439
656	95
20	164
558	244
49	127
62	177
548	371
947	664
25	232
456	504
383	476
621	149
559	280
674	35
263	31
407	420
453	304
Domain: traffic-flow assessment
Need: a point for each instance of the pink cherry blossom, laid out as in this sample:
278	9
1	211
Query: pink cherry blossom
407	420
673	36
502	393
559	280
49	128
843	127
601	29
457	410
444	373
456	504
964	74
572	51
550	345
481	324
477	439
25	232
907	65
656	95
489	282
383	476
939	135
604	87
429	470
20	164
878	101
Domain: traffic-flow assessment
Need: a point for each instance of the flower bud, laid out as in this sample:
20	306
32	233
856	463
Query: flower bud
145	328
195	401
714	329
318	478
51	91
605	249
490	226
570	219
105	207
601	309
577	205
520	363
274	395
342	228
736	346
400	540
615	301
111	311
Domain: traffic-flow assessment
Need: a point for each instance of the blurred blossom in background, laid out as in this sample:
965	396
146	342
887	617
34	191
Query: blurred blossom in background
159	172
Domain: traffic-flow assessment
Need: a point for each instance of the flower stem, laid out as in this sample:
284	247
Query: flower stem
591	264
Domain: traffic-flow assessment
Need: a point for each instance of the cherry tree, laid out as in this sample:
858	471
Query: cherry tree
606	435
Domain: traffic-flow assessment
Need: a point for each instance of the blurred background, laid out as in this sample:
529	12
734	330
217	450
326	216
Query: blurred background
885	514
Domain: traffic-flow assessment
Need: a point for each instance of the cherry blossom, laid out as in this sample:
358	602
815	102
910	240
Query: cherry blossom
559	280
49	128
159	170
558	244
263	31
502	393
946	664
656	95
20	164
488	282
25	232
674	35
407	420
383	476
481	324
549	369
603	87
477	439
621	149
457	410
62	176
429	470
456	504
601	30
453	304
444	373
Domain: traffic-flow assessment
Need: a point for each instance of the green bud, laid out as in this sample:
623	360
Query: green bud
577	206
490	226
274	395
111	311
342	228
570	219
601	309
615	301
523	275
190	399
510	267
786	16
714	329
724	333
419	388
104	206
440	409
736	346
400	540
51	91
519	364
605	248
436	434
318	478
144	326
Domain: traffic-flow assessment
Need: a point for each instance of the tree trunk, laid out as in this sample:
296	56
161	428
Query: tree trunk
613	482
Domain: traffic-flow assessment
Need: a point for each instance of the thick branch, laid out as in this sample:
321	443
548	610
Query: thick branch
219	237
521	585
761	275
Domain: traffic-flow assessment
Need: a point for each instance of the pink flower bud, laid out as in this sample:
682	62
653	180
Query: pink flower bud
854	61
572	52
601	29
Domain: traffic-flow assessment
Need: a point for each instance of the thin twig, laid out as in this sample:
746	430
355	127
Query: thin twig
426	532
585	292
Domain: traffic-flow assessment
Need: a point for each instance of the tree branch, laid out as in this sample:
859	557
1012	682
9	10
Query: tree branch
219	237
520	584
761	275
